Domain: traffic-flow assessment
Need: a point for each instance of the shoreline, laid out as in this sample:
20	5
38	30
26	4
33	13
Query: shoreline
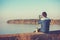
31	21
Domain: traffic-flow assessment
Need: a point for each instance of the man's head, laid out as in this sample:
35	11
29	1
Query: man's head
44	14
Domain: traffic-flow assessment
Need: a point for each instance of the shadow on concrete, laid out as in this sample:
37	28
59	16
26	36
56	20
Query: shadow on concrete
55	32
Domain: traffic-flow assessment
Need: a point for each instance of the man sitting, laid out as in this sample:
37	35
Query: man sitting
45	23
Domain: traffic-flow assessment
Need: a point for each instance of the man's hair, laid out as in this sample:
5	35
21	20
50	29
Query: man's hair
44	14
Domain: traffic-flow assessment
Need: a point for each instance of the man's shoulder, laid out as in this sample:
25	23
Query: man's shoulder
45	18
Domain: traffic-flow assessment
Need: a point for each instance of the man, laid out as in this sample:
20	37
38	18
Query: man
45	23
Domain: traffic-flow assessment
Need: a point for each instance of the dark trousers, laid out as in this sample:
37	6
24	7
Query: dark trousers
39	30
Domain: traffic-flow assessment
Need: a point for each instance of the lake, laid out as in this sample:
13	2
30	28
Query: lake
22	28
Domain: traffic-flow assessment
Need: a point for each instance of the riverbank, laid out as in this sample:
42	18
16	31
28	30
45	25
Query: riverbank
31	21
54	35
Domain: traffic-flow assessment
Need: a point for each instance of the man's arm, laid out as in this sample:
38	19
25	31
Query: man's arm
39	17
39	21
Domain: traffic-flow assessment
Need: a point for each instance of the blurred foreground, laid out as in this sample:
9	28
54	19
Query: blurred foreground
53	35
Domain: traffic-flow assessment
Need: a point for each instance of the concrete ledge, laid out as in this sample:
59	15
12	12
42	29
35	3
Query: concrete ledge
31	36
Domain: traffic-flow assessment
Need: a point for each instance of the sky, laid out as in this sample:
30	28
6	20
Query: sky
28	9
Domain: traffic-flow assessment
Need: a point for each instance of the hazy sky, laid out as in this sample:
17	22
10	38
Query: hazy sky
29	9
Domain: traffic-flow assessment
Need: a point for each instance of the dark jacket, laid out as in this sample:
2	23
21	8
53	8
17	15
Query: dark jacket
44	25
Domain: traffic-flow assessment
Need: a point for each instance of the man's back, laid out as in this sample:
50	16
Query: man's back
45	26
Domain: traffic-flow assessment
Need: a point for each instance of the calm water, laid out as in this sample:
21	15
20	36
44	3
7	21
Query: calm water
22	28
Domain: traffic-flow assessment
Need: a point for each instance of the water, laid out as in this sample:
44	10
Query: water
22	28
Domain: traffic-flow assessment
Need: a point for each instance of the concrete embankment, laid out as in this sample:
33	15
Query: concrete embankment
31	36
